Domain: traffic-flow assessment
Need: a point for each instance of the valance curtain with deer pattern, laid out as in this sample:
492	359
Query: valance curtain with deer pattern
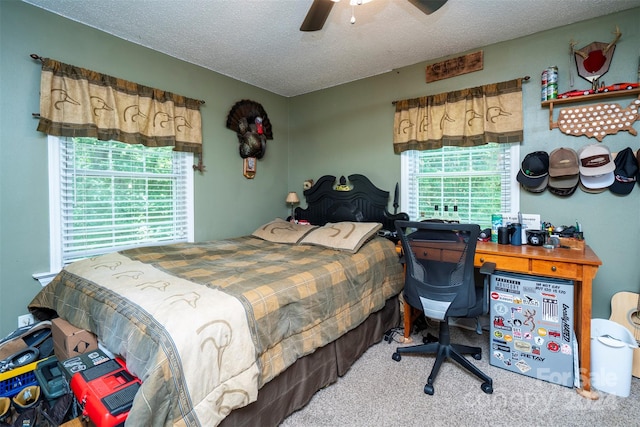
467	117
78	102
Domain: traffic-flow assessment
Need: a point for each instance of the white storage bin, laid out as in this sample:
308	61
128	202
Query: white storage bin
612	348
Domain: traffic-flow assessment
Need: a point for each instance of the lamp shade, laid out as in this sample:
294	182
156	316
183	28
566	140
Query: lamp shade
292	197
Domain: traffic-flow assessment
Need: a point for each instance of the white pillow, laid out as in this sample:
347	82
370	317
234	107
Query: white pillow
281	231
344	236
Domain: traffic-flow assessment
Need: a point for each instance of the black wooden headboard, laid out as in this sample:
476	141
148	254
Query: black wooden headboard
354	200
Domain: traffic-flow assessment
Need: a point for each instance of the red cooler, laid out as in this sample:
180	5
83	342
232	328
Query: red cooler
105	392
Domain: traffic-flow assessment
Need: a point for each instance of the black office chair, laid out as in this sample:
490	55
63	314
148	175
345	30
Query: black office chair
440	282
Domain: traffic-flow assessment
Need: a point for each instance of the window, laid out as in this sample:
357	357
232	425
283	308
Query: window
107	196
462	183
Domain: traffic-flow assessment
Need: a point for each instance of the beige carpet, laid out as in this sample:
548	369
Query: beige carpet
377	391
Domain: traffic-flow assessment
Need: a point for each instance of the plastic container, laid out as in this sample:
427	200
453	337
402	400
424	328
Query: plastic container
496	222
51	379
612	348
11	382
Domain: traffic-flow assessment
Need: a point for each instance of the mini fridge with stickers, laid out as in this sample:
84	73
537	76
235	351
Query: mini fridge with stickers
531	327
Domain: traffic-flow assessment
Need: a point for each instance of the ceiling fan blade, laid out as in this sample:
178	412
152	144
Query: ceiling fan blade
428	6
317	15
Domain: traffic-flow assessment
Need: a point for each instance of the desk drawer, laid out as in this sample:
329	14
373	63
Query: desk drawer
554	269
504	263
438	251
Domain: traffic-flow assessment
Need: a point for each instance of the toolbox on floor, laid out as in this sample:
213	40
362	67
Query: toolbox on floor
51	379
83	361
11	382
105	392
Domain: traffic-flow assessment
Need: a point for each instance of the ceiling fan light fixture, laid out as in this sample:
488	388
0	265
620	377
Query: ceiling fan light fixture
319	11
428	6
354	2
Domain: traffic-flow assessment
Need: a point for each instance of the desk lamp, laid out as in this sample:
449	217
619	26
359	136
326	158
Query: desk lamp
292	199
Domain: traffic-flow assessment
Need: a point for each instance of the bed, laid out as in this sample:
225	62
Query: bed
243	331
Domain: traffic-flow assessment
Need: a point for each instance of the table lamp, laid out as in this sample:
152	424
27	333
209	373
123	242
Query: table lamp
292	199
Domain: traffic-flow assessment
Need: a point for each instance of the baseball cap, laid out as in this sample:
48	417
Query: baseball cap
563	162
534	171
597	182
540	187
596	168
563	192
625	173
563	185
595	159
563	172
591	190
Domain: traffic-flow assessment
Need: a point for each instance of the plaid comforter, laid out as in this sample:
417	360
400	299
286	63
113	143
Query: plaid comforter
205	325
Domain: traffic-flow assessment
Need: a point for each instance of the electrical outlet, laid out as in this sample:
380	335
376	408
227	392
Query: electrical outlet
26	320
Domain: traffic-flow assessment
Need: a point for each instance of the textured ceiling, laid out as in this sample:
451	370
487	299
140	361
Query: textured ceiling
259	42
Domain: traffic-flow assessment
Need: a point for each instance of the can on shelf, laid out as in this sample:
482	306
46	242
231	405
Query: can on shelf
544	82
552	82
552	75
552	91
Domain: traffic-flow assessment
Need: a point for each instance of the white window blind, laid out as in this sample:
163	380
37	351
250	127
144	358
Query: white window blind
461	183
115	196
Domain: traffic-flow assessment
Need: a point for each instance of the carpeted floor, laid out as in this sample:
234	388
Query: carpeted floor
378	391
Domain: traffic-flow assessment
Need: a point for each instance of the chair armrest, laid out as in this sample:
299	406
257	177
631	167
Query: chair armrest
488	268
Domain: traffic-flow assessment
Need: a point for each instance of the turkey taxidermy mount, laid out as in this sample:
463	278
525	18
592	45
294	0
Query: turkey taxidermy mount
252	126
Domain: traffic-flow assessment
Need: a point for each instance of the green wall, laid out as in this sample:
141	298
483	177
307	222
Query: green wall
337	131
348	129
226	203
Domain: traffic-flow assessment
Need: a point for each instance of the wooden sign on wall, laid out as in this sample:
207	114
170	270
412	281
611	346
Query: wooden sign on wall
455	67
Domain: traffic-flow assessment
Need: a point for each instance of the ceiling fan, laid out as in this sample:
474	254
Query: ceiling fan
320	9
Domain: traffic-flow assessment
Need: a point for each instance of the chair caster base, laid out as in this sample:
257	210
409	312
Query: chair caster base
487	388
428	389
396	357
429	339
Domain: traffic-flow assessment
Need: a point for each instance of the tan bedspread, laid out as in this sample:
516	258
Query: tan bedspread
205	325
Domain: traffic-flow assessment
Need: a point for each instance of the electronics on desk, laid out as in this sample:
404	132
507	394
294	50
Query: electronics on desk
531	326
526	221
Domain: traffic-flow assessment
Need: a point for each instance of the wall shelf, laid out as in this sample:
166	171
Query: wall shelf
585	98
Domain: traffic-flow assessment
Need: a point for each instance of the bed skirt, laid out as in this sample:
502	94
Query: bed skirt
294	388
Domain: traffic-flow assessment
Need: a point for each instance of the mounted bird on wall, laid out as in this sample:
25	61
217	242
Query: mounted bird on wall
252	126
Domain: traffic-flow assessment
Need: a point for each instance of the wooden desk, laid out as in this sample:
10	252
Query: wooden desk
581	267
